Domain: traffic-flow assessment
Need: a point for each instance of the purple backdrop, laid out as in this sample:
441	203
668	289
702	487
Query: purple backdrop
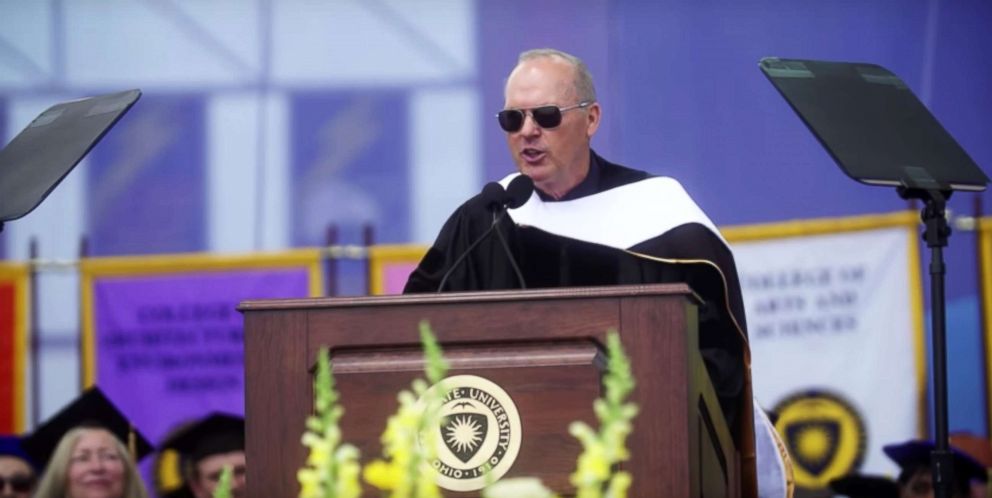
169	348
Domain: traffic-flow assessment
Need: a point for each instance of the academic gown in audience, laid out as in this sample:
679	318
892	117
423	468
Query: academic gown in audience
865	486
915	476
18	473
205	447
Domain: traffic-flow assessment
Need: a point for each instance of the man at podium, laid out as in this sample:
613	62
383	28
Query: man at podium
588	221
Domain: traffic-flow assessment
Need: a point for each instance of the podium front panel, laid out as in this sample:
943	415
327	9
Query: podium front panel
550	385
544	348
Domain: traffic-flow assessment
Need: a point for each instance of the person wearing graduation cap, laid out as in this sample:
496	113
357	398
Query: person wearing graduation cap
978	448
17	471
865	486
91	451
205	448
915	477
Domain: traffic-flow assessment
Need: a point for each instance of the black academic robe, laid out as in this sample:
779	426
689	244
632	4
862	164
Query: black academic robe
580	241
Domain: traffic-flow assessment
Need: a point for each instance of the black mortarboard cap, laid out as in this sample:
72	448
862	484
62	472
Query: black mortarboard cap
865	486
90	409
917	452
214	434
41	155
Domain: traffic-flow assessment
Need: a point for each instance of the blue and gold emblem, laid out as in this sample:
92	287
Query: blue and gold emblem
825	436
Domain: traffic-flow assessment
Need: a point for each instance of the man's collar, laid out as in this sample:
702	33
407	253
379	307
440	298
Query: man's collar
588	186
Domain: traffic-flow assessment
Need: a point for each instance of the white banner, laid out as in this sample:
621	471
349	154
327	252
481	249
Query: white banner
834	321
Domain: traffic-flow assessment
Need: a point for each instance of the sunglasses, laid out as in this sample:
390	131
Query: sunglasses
20	484
549	116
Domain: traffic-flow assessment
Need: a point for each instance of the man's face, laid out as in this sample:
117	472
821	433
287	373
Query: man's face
16	478
208	473
557	158
920	485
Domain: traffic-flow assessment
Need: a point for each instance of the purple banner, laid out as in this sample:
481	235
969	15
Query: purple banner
169	348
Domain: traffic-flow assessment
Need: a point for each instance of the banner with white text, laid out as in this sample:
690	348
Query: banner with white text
834	313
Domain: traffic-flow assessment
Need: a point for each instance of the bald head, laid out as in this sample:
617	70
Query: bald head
580	87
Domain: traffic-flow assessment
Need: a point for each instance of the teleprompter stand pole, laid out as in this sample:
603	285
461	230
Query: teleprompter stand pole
935	234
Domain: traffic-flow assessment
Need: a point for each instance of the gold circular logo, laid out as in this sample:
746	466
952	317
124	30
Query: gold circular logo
825	436
479	435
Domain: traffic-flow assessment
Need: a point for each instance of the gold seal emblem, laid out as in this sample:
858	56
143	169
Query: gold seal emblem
825	436
479	435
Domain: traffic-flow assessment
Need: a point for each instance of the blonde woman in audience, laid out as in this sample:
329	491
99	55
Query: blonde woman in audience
91	450
90	462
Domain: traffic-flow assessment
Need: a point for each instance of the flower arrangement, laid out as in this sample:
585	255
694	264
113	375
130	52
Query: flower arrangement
603	450
408	442
332	467
595	475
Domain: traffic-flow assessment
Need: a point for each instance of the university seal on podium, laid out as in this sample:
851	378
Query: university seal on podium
479	434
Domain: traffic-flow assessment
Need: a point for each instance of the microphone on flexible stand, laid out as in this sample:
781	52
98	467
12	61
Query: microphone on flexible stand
498	200
517	192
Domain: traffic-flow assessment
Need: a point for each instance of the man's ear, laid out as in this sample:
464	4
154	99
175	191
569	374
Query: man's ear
592	119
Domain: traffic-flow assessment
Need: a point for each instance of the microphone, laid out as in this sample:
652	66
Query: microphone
492	195
518	191
497	199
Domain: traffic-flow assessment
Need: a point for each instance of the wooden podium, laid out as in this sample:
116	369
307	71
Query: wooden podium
543	347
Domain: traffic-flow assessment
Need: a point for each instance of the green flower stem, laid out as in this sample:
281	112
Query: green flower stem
409	440
332	468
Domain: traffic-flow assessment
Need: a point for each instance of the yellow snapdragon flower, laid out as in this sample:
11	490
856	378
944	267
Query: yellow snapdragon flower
332	468
408	443
603	450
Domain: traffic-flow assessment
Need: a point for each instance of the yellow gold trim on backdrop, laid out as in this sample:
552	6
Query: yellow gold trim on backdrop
821	226
179	263
919	327
88	353
985	293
